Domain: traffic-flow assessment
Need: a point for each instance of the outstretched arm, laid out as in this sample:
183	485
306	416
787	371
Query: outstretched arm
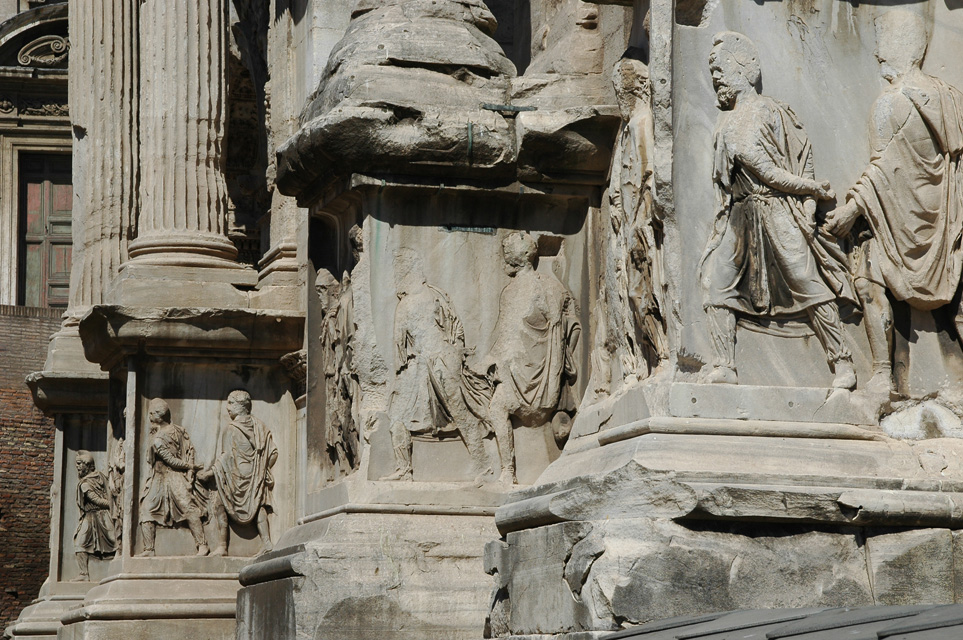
762	166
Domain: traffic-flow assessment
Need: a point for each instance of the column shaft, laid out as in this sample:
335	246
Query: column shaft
103	79
183	196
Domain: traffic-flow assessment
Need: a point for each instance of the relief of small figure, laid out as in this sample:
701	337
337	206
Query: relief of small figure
765	257
115	482
95	530
910	197
242	472
172	494
636	231
533	356
433	393
341	436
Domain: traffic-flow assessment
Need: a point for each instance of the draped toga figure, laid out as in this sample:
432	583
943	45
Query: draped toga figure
242	472
341	436
636	240
910	197
434	394
764	258
533	355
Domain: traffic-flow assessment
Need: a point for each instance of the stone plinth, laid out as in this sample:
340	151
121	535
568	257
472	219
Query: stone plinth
371	573
685	515
190	361
189	597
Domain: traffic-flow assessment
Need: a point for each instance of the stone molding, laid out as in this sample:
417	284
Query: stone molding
108	332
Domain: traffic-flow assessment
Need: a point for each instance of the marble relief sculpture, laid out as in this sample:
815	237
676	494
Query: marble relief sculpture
95	530
115	482
533	356
910	197
172	495
341	435
433	394
242	473
765	257
636	232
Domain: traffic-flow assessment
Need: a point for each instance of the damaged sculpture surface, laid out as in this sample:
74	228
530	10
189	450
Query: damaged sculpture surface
341	437
406	84
242	473
911	194
95	530
172	495
636	235
533	356
765	257
115	482
434	393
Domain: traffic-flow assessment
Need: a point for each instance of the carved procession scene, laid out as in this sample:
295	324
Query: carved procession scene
452	319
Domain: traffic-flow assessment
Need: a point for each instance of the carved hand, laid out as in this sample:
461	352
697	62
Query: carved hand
823	191
840	220
204	474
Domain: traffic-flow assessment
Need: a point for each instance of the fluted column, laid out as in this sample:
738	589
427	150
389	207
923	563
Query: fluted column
183	196
103	107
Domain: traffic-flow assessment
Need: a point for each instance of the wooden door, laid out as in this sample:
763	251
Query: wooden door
46	196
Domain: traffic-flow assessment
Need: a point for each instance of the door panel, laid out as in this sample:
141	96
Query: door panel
46	197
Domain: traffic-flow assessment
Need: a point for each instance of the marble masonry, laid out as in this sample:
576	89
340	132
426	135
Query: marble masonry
438	319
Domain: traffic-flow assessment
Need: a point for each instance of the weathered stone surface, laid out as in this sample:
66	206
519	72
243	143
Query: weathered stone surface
627	300
406	84
635	570
912	566
388	572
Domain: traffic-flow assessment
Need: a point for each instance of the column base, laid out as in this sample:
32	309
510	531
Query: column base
41	619
175	248
143	284
726	497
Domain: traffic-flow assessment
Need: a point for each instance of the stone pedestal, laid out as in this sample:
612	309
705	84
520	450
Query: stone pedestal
192	360
805	504
148	597
372	571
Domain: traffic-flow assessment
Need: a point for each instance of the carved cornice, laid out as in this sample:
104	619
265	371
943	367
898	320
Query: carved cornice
110	332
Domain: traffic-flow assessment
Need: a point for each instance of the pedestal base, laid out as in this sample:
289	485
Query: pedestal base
147	598
699	509
41	620
371	576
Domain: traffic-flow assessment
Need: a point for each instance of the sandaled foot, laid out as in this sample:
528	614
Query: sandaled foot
220	551
203	550
146	553
722	375
484	477
400	474
882	381
845	375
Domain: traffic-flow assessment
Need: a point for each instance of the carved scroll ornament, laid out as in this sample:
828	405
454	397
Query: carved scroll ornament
45	51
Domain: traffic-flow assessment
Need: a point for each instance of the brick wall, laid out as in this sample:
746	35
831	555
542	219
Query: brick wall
26	459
